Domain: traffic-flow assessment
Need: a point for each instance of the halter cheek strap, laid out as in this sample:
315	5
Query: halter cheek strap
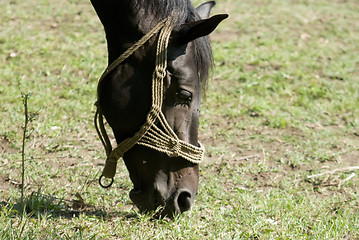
162	139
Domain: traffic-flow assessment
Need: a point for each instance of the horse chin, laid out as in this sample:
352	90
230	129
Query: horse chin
138	198
144	202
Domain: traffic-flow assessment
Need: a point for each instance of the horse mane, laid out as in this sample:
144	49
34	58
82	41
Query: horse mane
161	9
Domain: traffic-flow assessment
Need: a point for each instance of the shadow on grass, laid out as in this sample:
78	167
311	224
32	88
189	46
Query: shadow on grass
38	204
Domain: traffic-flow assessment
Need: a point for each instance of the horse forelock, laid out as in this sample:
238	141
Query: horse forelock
184	12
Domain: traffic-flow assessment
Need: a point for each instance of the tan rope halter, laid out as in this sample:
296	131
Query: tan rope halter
161	139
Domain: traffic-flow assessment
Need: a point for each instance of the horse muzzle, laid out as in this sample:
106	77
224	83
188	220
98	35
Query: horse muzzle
178	202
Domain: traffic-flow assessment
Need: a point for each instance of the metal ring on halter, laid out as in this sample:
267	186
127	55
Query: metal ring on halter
99	181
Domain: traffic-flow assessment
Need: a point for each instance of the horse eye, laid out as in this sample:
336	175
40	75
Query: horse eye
184	95
183	98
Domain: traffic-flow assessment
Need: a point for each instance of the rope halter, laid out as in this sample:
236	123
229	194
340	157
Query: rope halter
162	139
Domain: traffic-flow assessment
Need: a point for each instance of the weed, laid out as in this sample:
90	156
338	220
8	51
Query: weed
29	117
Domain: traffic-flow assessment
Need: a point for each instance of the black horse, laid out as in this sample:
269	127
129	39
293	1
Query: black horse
124	94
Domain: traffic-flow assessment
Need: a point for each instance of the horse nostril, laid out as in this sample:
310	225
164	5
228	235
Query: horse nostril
184	200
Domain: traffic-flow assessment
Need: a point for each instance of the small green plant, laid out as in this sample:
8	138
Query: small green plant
29	117
38	203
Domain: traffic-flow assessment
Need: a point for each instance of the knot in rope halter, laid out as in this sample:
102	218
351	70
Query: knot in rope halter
160	72
160	139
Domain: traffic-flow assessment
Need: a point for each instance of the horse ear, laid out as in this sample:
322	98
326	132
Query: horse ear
204	10
189	31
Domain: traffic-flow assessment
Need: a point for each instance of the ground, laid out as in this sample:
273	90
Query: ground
279	121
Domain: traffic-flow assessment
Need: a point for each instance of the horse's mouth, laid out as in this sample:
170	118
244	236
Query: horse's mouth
144	203
151	203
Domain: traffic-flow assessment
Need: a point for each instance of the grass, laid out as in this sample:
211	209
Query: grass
283	105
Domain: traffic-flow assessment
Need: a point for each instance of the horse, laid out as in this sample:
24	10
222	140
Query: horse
159	58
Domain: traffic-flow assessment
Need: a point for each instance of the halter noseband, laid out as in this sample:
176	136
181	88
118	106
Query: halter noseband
160	139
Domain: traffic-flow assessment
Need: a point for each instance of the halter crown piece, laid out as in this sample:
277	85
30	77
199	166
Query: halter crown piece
161	139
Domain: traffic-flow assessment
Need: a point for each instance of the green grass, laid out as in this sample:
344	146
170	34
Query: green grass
283	104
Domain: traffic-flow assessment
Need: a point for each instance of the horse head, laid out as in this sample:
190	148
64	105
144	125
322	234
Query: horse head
160	178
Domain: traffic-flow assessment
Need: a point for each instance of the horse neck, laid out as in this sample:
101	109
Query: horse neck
125	26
